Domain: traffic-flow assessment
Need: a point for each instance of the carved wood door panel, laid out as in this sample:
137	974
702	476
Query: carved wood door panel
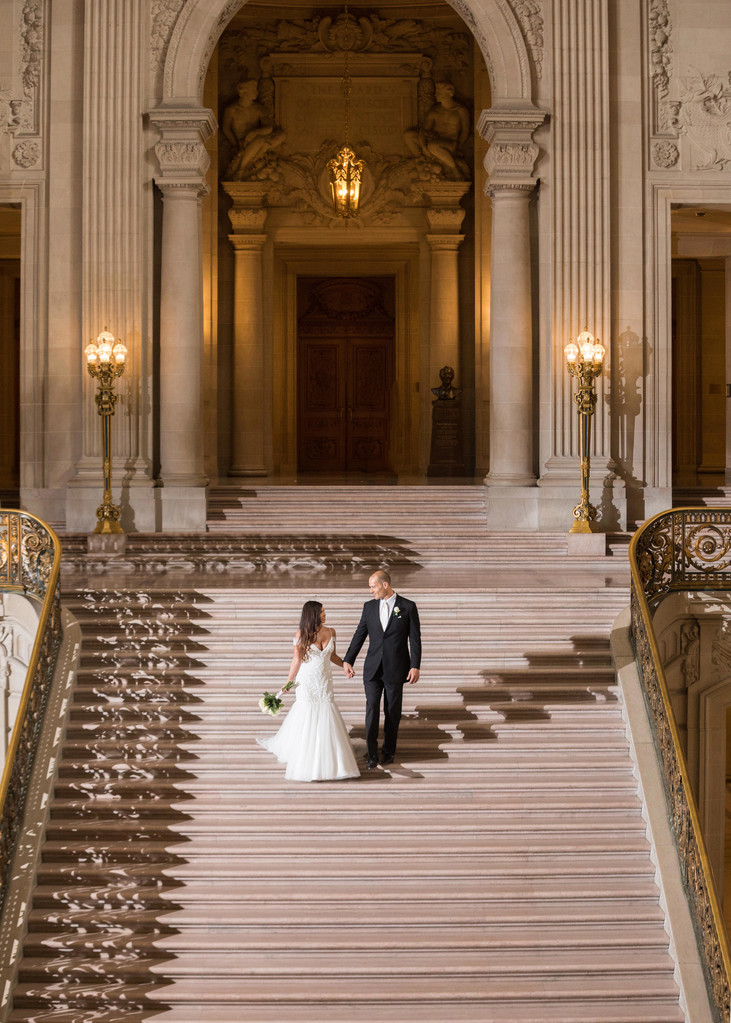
345	375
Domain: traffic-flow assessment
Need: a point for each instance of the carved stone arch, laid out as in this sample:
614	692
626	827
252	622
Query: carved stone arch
492	23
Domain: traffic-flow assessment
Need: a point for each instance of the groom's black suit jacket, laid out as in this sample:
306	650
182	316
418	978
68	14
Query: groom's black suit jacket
391	653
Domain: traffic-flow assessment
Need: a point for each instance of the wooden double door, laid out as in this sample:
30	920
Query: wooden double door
345	342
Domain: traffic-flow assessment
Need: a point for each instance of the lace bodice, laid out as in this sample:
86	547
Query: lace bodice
315	677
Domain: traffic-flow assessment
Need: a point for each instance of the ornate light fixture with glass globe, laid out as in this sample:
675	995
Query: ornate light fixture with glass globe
105	361
345	169
584	361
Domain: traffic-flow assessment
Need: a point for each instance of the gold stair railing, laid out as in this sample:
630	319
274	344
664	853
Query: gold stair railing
683	549
30	562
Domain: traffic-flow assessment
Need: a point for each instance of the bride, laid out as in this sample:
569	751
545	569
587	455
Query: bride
313	740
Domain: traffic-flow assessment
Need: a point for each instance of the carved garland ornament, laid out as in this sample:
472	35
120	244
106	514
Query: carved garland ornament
530	15
163	17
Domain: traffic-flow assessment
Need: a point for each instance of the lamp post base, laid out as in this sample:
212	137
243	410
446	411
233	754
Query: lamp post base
109	516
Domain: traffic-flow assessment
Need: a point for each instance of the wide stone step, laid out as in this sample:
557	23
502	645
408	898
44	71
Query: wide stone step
218	965
496	893
371	911
488	937
420	988
546	1009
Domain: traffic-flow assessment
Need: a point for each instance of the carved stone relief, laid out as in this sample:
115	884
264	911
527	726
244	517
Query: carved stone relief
20	116
407	124
530	15
704	116
661	51
163	16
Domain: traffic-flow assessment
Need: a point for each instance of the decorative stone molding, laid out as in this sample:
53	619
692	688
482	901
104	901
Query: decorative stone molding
445	214
513	153
181	152
691	652
27	153
704	116
21	116
247	214
530	15
660	54
665	154
163	16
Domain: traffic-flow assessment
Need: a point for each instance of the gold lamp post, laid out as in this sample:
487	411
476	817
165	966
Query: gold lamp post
105	361
584	361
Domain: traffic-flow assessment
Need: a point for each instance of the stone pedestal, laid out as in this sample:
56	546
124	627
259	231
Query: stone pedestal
447	444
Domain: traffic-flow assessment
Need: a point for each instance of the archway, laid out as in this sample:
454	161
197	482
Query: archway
185	125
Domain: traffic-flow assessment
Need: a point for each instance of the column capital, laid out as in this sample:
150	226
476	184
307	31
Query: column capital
247	215
512	154
445	242
181	151
248	242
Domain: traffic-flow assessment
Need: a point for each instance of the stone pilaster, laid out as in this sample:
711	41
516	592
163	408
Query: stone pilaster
113	284
250	428
183	162
581	230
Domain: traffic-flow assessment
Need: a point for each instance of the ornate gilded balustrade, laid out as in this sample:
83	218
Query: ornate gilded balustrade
30	561
683	549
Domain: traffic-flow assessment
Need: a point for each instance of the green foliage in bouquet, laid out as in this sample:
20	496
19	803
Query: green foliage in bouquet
271	703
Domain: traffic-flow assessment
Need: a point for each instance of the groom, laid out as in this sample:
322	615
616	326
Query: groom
391	624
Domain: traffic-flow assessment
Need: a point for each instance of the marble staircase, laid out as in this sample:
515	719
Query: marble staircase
499	871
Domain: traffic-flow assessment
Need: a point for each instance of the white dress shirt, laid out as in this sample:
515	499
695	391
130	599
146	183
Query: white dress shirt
386	609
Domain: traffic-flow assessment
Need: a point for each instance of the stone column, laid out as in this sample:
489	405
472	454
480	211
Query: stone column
250	433
509	164
444	217
183	162
511	339
727	267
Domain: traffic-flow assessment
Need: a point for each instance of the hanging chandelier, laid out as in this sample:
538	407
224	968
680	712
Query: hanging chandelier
345	170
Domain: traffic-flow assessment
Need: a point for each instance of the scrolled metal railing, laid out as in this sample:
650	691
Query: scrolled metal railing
683	549
30	563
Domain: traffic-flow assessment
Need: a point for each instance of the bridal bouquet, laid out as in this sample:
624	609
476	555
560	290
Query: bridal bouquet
271	703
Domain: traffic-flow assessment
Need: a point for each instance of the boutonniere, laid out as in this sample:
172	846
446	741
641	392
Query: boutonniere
396	611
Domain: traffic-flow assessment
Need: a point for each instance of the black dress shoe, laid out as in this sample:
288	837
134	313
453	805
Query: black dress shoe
371	763
386	759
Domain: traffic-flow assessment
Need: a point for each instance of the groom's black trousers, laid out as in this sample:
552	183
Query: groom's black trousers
393	693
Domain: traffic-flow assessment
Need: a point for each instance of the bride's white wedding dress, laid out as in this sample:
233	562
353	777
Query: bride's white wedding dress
313	741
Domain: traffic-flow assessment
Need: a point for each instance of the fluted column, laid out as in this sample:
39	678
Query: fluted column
581	230
183	162
113	286
509	164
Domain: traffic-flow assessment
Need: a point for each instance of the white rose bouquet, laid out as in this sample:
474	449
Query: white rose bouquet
271	703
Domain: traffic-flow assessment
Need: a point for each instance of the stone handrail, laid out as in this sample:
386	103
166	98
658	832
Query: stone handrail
30	562
683	549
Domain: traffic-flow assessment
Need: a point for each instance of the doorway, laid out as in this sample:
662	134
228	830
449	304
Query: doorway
345	373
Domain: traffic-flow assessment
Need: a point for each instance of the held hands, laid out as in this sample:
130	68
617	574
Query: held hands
348	669
413	676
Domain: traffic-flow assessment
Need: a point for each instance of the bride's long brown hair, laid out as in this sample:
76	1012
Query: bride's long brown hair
309	626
